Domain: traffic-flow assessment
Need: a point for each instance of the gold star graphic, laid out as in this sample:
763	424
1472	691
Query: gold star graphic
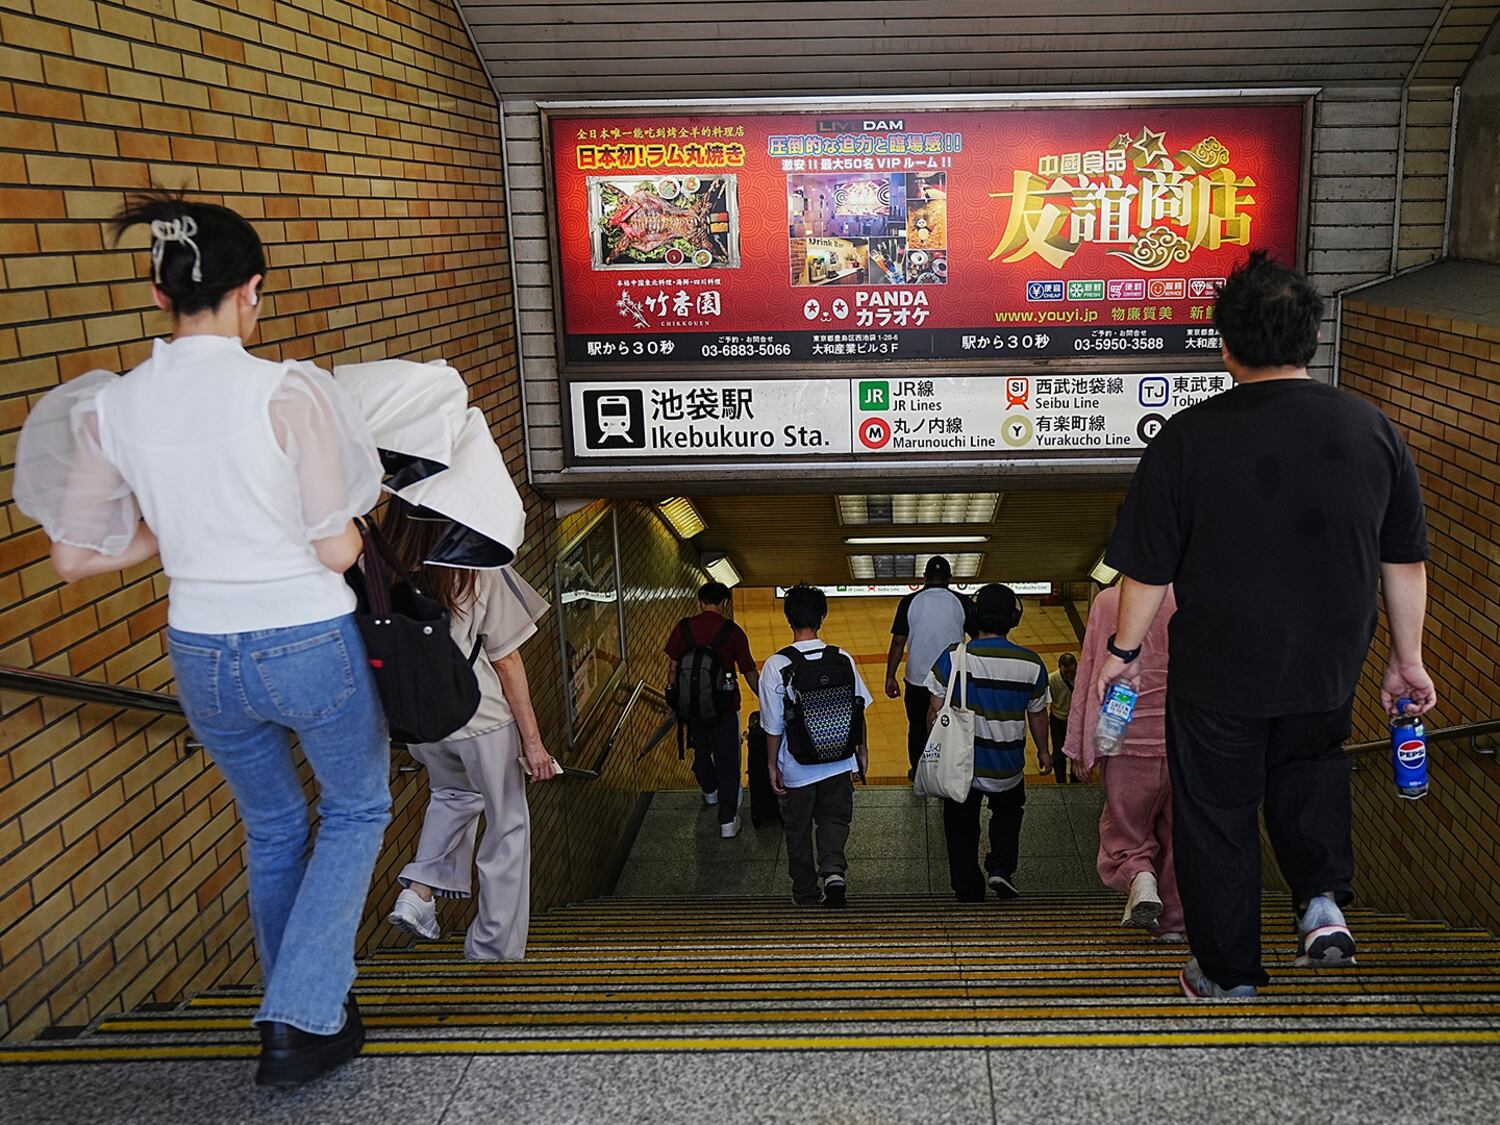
1122	141
1149	144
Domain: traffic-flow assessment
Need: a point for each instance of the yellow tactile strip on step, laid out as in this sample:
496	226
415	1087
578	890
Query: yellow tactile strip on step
1022	1013
1393	1037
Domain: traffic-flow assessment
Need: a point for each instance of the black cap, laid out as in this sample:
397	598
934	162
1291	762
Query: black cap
938	567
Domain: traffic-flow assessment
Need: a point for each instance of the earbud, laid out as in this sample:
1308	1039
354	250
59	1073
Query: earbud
254	299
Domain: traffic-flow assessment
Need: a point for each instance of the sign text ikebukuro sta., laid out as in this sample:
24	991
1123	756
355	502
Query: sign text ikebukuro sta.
724	240
998	416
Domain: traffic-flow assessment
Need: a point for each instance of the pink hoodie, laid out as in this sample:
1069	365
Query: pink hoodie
1147	734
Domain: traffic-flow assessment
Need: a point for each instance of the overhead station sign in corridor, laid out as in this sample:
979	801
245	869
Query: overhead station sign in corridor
713	240
806	419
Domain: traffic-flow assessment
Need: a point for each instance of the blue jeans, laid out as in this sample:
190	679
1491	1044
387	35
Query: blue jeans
243	694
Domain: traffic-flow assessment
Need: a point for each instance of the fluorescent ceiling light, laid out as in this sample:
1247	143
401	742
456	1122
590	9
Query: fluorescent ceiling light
720	569
684	518
895	590
867	567
1103	573
897	540
933	507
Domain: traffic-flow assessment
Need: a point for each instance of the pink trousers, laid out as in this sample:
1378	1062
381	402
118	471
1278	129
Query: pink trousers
1135	831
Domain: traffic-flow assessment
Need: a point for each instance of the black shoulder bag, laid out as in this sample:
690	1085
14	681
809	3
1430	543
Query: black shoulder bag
427	686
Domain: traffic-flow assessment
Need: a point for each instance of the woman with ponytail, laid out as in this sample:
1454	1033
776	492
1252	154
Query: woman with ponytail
243	474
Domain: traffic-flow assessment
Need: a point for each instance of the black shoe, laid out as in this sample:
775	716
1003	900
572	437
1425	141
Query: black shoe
289	1056
834	891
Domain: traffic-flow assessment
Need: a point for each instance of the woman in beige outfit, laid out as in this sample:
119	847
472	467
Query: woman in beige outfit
481	768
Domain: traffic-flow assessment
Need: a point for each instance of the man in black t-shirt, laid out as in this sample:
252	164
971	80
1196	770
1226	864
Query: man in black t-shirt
1278	509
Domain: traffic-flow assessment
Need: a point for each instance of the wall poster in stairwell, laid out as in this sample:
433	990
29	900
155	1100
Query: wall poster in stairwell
731	236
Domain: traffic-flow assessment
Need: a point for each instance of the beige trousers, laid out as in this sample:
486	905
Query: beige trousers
468	777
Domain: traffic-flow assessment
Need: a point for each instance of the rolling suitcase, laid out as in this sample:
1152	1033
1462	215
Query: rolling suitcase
764	807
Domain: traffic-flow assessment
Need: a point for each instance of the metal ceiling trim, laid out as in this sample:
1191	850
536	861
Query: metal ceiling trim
941	101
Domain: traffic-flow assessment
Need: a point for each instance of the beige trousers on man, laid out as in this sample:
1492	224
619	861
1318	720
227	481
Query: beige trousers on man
468	777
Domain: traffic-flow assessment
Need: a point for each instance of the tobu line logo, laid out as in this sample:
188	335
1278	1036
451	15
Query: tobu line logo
874	433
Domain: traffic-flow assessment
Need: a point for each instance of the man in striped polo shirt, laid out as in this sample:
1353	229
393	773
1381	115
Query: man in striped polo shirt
1008	693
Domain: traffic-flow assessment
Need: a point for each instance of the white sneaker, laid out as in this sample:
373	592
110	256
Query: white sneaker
731	830
415	915
710	799
1143	907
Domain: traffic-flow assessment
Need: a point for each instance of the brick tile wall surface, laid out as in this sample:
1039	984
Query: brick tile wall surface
362	141
1439	380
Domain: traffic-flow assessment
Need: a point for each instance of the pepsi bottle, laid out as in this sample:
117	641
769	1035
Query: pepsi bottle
1409	753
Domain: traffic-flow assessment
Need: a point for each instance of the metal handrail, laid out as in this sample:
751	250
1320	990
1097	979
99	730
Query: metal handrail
30	681
641	691
1471	731
86	691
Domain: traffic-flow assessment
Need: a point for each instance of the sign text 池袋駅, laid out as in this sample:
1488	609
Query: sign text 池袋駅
724	239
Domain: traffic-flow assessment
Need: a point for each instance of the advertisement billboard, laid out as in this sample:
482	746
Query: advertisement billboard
715	238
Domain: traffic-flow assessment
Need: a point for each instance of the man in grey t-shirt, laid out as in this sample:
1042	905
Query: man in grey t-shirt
928	623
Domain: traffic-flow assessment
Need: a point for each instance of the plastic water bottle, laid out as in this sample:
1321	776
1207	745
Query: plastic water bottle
1409	753
1114	717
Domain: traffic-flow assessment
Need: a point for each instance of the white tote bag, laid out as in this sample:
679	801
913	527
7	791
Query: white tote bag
946	768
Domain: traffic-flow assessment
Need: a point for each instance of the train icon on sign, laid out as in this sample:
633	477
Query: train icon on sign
614	419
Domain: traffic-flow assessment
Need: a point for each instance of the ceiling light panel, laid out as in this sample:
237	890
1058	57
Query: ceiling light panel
684	518
932	507
870	567
720	569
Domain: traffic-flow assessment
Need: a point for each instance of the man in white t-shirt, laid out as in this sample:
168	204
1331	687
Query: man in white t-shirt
822	792
928	623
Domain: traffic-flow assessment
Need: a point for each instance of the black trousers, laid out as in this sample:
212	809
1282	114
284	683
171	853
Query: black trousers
817	818
1223	769
716	761
1060	763
918	699
961	829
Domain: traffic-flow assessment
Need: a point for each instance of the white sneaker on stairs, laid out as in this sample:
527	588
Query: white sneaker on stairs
415	915
1143	907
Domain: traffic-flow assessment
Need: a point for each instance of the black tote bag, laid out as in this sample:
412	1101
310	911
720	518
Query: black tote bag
427	685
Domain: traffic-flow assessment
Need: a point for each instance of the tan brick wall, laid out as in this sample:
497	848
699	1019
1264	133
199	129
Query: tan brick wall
1439	380
362	142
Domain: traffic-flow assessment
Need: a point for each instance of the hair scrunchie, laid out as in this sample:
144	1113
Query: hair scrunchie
180	230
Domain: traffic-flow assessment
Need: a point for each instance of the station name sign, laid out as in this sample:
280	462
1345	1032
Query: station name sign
872	416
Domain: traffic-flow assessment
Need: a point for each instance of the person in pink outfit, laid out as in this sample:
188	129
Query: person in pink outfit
1135	828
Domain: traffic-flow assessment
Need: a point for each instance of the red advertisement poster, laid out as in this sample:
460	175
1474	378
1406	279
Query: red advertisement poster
725	238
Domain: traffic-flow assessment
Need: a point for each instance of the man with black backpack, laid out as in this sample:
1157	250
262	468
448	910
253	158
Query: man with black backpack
706	651
812	703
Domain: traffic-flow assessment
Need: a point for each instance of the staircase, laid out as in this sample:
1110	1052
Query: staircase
896	972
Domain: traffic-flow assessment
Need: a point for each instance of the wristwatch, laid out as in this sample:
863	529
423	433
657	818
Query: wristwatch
1126	654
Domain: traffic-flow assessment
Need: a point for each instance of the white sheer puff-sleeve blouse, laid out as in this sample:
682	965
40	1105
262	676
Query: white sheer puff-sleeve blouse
63	479
324	435
80	495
